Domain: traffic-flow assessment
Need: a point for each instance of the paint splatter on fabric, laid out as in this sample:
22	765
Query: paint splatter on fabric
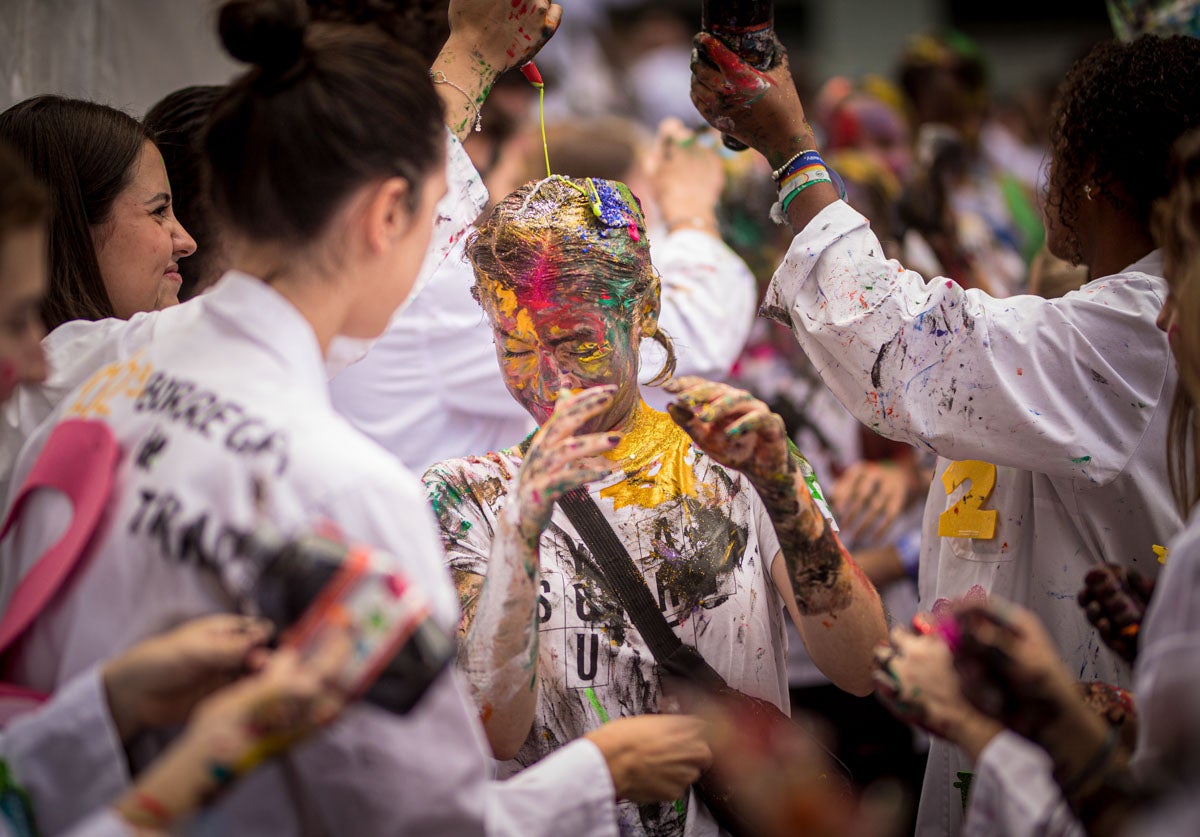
703	541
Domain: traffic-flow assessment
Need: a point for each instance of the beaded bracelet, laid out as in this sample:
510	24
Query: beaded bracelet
799	161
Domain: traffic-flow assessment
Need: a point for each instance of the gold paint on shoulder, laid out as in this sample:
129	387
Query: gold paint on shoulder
657	458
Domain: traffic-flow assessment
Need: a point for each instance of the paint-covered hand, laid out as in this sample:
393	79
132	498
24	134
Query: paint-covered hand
1010	668
760	108
1115	601
916	680
731	426
502	34
869	496
653	758
158	681
686	177
559	460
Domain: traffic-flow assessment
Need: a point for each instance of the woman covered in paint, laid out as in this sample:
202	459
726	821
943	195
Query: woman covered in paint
1049	416
562	270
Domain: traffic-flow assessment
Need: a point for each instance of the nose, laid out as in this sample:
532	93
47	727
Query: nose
185	245
553	378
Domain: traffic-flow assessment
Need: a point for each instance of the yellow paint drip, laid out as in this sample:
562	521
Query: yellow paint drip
654	456
1161	552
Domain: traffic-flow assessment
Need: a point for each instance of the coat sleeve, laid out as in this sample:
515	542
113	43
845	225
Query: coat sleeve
67	755
708	296
1014	794
1011	381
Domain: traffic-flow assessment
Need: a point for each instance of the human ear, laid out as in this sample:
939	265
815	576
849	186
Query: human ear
650	308
388	216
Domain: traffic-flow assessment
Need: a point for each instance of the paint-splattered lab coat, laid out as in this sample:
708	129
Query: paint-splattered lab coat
1049	418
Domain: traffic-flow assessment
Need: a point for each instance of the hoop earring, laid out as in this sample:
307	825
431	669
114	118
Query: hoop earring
1087	191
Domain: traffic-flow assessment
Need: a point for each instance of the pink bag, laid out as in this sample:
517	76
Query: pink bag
79	459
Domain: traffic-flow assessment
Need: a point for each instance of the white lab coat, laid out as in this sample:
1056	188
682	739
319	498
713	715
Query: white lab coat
66	755
431	387
185	487
1068	398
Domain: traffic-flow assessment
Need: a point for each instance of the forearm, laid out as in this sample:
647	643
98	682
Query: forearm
463	73
840	616
1091	768
501	650
181	781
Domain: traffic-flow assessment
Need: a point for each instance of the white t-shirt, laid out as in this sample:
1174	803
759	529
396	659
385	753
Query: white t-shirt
431	388
197	431
1053	413
706	557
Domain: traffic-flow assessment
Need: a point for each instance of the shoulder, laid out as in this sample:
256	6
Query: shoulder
498	470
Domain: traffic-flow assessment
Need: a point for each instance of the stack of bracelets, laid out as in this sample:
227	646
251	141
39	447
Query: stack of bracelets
796	175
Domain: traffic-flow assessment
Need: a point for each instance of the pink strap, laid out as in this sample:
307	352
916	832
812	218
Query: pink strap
79	459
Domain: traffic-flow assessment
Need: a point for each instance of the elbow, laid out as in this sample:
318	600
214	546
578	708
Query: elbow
505	743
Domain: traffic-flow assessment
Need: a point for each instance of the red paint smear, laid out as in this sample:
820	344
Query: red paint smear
537	291
1020	371
733	67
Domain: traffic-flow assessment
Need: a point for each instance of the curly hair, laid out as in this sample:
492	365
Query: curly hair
1118	111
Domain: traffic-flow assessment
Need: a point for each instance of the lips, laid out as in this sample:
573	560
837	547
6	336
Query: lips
172	273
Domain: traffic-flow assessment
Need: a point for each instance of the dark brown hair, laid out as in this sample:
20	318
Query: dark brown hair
85	154
23	201
325	109
1118	112
178	123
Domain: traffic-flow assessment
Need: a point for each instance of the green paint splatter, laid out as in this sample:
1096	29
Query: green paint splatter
1083	460
595	702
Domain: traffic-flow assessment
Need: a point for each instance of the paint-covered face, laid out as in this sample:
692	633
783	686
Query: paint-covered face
568	341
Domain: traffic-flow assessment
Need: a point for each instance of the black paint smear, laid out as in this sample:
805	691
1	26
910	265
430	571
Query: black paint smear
693	559
1098	378
586	572
877	369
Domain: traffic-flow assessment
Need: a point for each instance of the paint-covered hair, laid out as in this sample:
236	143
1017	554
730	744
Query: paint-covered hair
558	234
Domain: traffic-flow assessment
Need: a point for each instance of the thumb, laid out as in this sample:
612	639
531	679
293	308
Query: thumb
549	26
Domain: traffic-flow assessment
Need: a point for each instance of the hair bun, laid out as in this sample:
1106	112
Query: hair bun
266	33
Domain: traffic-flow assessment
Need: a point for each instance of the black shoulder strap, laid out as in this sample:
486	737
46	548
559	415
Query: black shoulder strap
626	584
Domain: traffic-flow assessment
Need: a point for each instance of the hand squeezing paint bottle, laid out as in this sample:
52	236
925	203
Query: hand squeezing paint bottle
748	28
311	584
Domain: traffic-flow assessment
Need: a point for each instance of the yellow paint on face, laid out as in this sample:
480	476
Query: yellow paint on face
656	457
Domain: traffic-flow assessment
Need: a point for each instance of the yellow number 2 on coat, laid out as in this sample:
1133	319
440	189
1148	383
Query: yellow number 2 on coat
967	518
